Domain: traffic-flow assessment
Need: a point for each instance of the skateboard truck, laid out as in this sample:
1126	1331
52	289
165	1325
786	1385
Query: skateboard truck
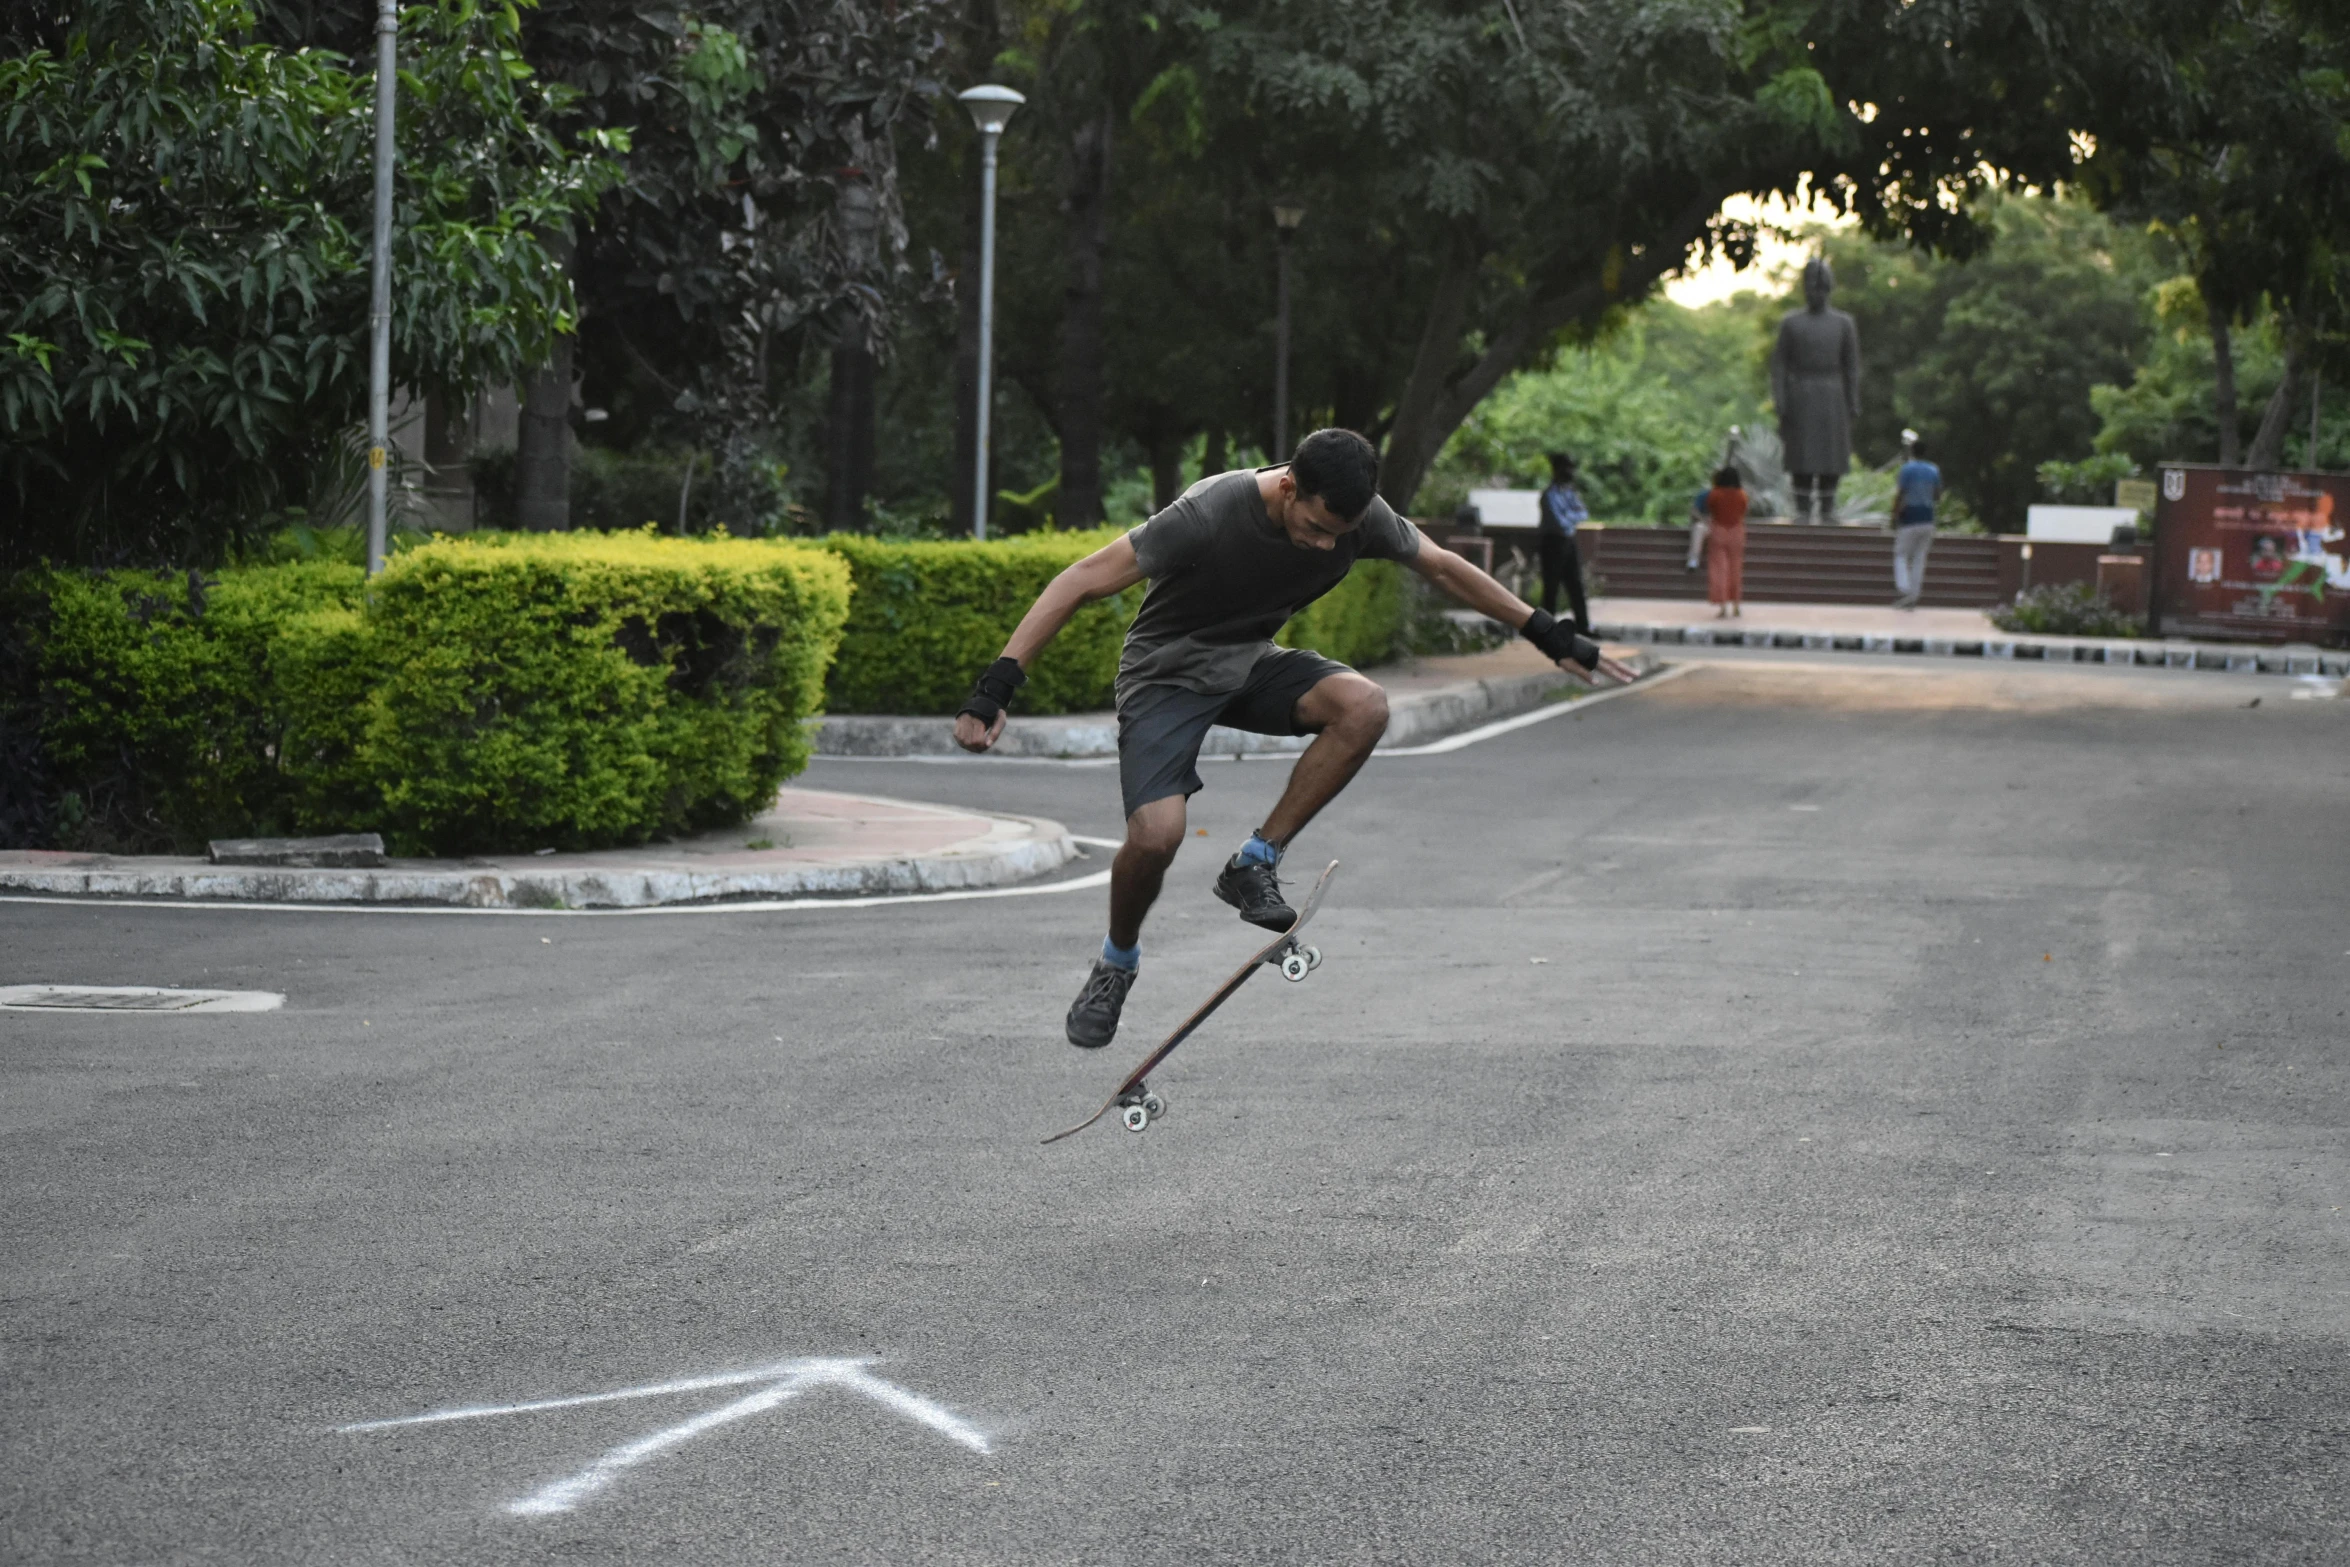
1297	961
1139	1106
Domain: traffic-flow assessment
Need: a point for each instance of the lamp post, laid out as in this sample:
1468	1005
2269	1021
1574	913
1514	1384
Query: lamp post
379	309
991	110
1288	213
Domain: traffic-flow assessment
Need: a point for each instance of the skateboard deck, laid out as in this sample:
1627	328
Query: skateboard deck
1134	1096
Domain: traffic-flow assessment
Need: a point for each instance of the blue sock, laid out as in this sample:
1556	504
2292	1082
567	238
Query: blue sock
1258	851
1128	958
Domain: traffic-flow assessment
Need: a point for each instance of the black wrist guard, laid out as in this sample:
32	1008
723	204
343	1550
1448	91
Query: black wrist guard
995	690
1557	641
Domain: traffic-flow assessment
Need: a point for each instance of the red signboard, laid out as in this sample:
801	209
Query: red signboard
2252	556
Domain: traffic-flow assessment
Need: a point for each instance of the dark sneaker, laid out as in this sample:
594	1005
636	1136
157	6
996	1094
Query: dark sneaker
1251	887
1093	1016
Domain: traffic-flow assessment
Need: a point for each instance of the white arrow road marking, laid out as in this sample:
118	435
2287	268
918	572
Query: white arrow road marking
564	1495
784	1381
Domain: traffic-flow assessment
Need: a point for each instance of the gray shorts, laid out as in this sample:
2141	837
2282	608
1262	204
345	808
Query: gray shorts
1161	727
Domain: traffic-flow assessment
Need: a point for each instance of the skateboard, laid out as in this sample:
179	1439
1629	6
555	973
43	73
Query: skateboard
1137	1105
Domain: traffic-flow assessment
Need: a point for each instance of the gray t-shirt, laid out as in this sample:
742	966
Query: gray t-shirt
1224	577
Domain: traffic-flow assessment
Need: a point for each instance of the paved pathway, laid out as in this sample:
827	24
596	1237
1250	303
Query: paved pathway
1768	1117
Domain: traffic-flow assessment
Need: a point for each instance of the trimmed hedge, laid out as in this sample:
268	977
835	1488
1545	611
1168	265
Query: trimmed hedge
142	705
581	690
928	615
484	693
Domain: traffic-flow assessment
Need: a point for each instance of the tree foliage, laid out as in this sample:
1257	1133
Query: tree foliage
184	260
759	214
2233	136
1994	359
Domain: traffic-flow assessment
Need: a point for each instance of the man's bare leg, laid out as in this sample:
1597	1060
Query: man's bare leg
1153	834
1350	711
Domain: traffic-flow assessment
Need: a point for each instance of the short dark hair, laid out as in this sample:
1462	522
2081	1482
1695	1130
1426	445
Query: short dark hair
1339	469
1562	467
1727	479
1917	448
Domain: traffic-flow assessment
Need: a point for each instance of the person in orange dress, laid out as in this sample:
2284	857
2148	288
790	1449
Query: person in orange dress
1725	544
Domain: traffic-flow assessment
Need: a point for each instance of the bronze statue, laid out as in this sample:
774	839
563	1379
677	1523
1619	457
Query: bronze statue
1815	380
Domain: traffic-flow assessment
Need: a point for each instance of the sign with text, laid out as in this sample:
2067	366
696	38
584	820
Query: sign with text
2254	556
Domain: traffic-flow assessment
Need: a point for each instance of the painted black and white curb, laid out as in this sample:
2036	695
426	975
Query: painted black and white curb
2140	654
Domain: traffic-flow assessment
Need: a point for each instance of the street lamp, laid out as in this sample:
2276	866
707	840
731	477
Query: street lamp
379	309
991	110
1288	213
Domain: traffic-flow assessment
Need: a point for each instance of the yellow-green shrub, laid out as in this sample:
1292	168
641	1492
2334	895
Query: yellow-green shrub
483	694
583	689
157	720
928	616
1359	622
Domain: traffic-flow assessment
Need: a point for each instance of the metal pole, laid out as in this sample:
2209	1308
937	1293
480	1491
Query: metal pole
987	151
379	314
1280	451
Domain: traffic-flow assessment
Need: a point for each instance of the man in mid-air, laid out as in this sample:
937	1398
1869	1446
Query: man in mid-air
1229	563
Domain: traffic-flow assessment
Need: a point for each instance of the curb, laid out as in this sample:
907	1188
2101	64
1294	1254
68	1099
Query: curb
2055	650
1413	719
1013	849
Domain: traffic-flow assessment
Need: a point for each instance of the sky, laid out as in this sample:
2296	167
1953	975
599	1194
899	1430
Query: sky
1775	262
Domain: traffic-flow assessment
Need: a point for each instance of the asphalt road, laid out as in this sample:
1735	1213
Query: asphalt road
1844	1113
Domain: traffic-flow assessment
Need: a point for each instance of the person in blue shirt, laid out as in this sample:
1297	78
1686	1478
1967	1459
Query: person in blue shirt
1554	540
1916	489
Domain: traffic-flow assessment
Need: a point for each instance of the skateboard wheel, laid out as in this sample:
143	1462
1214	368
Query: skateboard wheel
1295	967
1153	1106
1136	1117
1313	959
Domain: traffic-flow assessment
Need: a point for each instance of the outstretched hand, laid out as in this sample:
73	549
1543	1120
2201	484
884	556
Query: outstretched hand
972	735
1620	673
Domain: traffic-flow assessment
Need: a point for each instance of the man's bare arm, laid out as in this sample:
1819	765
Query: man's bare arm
1452	574
1107	571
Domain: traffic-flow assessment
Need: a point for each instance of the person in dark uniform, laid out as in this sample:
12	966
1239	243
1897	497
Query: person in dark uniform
1554	537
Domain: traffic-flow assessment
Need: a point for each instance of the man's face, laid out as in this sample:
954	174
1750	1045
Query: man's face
1310	524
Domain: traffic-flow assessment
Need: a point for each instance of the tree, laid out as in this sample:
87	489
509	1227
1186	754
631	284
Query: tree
184	261
1994	359
2233	135
759	215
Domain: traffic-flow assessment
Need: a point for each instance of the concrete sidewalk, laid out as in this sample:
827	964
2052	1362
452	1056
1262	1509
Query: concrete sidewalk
810	842
1943	633
1428	699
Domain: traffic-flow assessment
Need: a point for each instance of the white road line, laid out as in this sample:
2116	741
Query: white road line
1541	715
784	1381
852	1374
757	906
1448	744
790	1368
1100	878
564	1495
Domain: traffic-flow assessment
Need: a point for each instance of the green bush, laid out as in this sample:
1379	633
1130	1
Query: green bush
2070	609
1359	622
928	615
486	693
582	689
151	695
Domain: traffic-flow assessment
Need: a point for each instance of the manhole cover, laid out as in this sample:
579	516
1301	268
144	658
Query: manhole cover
133	998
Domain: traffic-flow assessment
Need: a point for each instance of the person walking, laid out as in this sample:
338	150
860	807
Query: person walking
1725	544
1917	488
1554	539
1228	564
